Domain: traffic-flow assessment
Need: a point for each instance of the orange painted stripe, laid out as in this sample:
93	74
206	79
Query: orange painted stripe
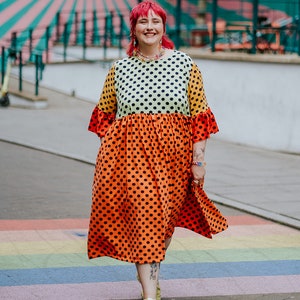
84	223
44	224
246	220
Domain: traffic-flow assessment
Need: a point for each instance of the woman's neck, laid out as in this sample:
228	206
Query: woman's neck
150	51
148	54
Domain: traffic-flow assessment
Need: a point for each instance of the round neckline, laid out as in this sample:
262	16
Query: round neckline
165	57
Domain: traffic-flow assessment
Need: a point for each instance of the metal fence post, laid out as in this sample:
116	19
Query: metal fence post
2	64
57	26
14	40
121	34
94	27
105	37
47	43
254	25
299	27
214	25
65	41
178	24
30	43
76	28
20	71
84	39
111	28
36	74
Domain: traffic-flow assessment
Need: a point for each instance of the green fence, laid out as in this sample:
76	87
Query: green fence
252	26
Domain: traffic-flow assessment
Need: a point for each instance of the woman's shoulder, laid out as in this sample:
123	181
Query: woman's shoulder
123	62
182	56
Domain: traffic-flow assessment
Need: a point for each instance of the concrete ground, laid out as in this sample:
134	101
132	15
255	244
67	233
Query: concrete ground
46	167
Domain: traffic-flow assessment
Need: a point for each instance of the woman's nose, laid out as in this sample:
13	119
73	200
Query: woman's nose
149	25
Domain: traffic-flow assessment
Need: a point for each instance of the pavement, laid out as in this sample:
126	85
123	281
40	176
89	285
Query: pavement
46	164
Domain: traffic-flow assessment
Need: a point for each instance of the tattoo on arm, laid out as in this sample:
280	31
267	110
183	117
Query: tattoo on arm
199	154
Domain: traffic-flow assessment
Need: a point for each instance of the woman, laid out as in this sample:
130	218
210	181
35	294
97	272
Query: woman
153	120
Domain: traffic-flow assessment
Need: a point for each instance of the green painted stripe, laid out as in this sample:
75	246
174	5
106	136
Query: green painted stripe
31	261
128	5
14	262
41	45
288	7
185	17
22	38
126	29
233	255
95	25
105	7
5	4
13	20
70	21
79	37
227	15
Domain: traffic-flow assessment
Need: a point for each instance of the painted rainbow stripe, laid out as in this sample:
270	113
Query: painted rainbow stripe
47	258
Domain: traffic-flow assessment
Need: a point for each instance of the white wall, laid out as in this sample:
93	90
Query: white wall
256	104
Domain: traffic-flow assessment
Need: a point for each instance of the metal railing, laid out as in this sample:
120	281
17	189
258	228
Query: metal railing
247	32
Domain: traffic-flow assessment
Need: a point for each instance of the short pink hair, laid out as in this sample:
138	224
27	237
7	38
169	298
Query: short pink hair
142	9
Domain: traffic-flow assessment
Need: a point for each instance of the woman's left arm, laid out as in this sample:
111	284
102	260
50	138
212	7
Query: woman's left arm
198	157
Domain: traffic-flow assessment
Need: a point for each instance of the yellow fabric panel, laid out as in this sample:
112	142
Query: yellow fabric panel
108	99
196	95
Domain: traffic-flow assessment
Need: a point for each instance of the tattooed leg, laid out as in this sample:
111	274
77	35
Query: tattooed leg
148	275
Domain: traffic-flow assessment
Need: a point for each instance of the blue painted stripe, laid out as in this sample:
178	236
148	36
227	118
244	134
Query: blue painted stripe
127	272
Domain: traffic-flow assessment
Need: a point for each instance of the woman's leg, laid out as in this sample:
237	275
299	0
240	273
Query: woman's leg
168	242
148	276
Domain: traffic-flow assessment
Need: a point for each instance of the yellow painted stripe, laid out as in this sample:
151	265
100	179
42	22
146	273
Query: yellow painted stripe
180	244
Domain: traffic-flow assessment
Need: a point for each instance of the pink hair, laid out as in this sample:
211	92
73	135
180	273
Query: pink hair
142	9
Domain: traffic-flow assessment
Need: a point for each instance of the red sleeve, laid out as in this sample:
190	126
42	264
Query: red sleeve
203	125
100	122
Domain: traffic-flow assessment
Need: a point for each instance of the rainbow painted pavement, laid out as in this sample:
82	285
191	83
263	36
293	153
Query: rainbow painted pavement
46	259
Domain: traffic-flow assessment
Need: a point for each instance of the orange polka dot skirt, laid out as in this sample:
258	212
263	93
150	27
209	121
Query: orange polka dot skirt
143	188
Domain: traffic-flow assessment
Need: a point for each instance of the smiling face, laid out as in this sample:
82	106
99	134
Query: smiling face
149	30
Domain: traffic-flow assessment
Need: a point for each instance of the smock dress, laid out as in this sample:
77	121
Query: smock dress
149	115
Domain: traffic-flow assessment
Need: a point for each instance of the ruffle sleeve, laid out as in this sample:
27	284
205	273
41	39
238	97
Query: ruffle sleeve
100	121
203	125
203	120
104	113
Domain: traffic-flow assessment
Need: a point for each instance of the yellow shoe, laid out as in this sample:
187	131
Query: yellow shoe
158	294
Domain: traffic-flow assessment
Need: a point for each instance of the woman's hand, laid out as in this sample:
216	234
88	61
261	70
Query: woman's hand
198	174
198	171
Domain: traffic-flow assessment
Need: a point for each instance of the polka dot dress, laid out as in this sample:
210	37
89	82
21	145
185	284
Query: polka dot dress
149	115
